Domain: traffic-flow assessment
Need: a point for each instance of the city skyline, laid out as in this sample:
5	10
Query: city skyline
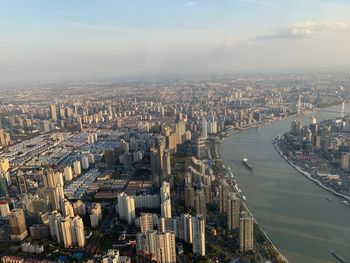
49	40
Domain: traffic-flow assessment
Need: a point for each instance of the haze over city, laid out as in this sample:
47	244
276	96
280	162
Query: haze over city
175	131
73	40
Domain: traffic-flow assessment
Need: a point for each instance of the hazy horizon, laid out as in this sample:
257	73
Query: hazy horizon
77	40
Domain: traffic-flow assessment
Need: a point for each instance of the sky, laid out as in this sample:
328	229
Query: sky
86	39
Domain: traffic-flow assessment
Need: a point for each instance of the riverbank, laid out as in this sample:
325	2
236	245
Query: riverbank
305	173
280	257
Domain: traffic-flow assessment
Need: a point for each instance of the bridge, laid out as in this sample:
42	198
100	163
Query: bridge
341	112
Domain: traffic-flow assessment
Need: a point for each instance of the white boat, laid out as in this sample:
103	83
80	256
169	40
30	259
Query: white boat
244	198
345	202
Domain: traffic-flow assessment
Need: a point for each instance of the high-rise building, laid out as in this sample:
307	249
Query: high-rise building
126	207
4	209
5	138
189	196
246	228
207	192
164	192
165	247
180	130
68	173
165	208
344	161
200	203
146	222
95	214
55	195
62	113
146	242
109	156
53	112
37	205
77	167
156	166
66	208
55	226
22	182
3	187
166	163
4	165
79	208
233	211
185	228
204	128
52	179
198	236
85	162
18	226
67	232
168	224
224	189
79	238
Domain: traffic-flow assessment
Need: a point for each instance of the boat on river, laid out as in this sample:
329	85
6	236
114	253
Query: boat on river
335	254
247	164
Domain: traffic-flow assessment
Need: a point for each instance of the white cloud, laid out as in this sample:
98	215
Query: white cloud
304	29
292	32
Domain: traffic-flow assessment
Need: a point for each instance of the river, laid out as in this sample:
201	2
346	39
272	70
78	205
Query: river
294	211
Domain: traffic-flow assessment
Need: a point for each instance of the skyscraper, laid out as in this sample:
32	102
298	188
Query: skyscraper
233	211
246	228
18	226
198	228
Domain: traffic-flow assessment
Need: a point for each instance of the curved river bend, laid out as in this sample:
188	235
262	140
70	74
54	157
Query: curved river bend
292	209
